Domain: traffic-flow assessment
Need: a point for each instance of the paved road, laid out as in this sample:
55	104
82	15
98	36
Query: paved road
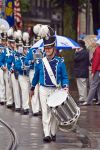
29	131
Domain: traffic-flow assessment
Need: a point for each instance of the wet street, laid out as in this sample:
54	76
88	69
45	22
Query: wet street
29	131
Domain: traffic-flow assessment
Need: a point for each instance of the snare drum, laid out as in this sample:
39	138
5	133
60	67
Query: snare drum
64	109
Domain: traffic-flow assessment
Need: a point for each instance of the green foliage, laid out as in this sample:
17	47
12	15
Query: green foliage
57	3
25	4
81	4
69	31
68	57
68	22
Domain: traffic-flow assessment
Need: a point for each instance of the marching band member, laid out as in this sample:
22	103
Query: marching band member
30	60
2	68
23	75
35	98
14	74
46	86
8	58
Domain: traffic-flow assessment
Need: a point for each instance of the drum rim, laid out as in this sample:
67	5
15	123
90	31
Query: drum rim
56	91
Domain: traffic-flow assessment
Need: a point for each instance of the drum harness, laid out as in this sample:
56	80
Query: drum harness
50	72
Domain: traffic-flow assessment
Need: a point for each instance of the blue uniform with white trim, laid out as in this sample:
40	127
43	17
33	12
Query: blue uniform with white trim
8	57
2	56
19	63
29	58
59	69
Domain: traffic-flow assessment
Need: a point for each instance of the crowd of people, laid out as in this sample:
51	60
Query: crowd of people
25	82
16	71
87	71
27	79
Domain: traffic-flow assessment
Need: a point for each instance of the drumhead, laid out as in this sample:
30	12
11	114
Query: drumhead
57	98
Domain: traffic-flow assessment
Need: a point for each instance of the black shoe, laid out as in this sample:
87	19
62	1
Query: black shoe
2	103
47	139
81	102
10	106
97	103
36	114
13	105
25	112
53	138
18	110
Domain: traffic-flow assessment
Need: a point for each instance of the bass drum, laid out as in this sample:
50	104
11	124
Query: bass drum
64	109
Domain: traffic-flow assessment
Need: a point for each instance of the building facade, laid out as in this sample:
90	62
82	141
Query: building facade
42	11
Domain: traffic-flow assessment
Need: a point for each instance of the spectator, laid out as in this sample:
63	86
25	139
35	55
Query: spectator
95	83
81	70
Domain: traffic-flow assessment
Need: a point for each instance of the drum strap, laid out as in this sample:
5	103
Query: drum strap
50	72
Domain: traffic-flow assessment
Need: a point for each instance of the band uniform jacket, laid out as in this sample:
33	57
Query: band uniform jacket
59	69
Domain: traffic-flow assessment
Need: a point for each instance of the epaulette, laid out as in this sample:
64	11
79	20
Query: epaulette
1	47
34	50
61	59
21	55
38	61
17	54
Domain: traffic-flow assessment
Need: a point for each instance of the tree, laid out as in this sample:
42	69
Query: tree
24	5
96	14
70	14
70	10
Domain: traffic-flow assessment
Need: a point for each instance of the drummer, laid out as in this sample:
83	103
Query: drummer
46	86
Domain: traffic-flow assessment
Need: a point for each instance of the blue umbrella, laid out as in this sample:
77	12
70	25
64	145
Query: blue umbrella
62	42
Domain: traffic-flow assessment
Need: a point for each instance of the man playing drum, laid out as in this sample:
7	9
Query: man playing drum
46	85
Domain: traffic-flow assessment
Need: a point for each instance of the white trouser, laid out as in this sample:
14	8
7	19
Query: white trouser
16	91
9	94
82	88
35	98
2	86
24	85
49	122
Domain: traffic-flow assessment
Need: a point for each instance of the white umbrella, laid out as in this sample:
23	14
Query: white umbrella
5	23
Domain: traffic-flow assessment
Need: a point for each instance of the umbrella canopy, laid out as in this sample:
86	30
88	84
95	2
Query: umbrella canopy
5	23
62	42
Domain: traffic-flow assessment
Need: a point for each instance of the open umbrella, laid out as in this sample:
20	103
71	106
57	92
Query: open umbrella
62	42
5	23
